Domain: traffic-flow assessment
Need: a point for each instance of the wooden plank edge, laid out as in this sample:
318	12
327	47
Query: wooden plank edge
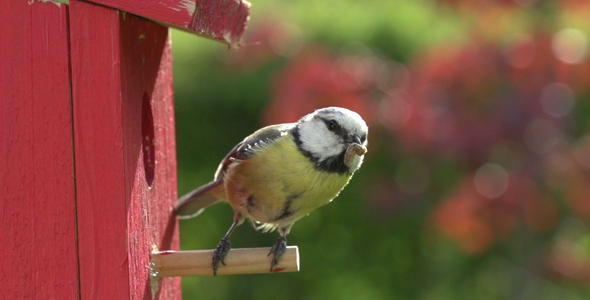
223	21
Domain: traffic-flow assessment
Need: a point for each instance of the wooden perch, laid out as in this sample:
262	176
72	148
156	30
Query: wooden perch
238	261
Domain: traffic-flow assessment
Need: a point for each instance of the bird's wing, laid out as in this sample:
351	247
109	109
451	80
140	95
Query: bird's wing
194	202
252	144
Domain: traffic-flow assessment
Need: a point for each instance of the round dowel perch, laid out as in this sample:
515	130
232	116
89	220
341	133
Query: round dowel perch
238	261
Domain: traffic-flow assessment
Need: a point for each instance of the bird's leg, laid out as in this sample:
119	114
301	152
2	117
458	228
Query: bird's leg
224	244
278	249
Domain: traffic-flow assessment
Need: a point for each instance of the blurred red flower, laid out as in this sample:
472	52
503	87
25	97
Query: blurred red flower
486	208
453	103
534	61
465	101
316	79
575	4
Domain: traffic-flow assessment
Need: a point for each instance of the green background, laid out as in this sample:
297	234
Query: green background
375	241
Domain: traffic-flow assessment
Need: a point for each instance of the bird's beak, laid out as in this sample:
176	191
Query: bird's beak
358	149
355	145
353	139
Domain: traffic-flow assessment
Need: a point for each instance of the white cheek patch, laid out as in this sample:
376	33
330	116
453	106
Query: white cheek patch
318	140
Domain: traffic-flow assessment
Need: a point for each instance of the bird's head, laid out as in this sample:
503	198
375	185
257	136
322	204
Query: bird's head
334	138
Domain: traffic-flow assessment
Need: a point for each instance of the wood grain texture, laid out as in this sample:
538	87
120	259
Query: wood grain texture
121	74
37	205
223	20
148	111
102	191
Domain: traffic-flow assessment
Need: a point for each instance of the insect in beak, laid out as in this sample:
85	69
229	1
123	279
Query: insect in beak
355	145
352	152
358	149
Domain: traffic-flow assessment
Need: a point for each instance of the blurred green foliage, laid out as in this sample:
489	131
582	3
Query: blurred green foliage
353	249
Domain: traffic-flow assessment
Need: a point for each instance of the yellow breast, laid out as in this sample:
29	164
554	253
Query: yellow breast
280	185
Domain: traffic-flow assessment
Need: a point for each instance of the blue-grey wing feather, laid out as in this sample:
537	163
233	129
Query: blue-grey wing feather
252	144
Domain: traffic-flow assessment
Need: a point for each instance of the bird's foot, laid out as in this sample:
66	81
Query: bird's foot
219	254
277	250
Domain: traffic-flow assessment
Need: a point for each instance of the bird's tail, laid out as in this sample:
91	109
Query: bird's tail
194	203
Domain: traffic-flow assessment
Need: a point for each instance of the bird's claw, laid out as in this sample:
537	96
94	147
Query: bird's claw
219	254
277	250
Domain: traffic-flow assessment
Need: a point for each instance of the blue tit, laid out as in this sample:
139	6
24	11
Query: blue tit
281	173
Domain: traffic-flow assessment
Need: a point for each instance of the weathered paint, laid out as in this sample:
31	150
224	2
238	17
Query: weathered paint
56	2
220	20
185	5
188	5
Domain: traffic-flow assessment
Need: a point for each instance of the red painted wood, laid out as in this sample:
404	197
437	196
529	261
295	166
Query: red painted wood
121	67
223	20
37	204
102	190
148	110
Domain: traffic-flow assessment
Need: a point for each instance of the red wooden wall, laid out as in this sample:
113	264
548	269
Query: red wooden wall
123	106
87	146
37	187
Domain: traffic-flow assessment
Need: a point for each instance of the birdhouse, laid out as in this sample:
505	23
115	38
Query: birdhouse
87	143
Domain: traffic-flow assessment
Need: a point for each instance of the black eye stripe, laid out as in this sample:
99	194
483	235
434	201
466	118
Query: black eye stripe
333	126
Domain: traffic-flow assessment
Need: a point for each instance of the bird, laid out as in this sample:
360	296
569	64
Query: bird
281	173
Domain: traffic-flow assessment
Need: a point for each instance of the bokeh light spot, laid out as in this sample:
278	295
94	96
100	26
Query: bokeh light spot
570	45
491	180
557	99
